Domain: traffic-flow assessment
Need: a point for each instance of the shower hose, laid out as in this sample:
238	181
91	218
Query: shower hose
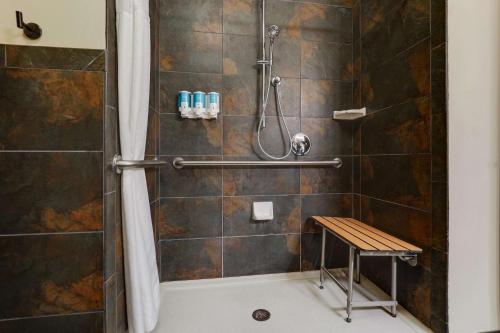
280	110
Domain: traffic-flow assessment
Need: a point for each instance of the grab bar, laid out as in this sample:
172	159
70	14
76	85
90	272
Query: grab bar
119	164
179	163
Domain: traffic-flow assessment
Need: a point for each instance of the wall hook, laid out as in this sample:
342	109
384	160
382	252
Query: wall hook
31	30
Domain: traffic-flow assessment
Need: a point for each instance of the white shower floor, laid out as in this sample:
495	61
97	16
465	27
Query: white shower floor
294	300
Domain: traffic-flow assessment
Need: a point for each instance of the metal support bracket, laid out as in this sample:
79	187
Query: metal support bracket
410	259
354	255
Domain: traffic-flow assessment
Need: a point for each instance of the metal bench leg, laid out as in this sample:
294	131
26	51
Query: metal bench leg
394	285
358	269
322	264
349	283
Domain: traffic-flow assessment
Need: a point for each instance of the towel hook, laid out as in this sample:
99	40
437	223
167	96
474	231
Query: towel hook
31	30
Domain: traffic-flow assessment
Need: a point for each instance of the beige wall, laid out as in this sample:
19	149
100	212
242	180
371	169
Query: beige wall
65	23
474	109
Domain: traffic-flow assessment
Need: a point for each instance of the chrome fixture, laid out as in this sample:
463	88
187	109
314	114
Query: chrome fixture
266	62
118	164
276	81
273	32
180	163
301	144
410	259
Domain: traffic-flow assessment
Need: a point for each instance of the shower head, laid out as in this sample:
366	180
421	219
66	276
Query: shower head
272	32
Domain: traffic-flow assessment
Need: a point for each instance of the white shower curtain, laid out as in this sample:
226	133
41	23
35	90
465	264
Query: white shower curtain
141	273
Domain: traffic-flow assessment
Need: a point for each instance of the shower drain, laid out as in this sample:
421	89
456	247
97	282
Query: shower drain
261	315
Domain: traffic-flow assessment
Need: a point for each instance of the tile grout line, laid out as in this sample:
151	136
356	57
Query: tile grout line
353	105
410	154
318	4
398	54
229	236
52	151
256	195
361	101
104	186
248	75
431	137
396	204
54	69
300	168
391	106
58	233
222	150
52	315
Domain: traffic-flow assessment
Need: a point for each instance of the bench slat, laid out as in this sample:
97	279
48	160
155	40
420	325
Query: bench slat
388	243
360	244
363	236
407	245
376	244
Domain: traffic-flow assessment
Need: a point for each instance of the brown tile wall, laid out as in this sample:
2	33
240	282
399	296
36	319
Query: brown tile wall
115	318
54	214
60	229
400	169
114	305
206	229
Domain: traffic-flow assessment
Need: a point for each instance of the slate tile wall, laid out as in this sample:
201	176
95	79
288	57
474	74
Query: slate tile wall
401	173
53	219
387	55
114	305
206	228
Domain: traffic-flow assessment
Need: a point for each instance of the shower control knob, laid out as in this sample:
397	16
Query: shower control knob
301	144
276	81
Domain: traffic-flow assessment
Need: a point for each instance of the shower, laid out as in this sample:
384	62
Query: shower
273	32
300	143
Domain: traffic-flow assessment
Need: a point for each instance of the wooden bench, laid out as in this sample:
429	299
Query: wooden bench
364	240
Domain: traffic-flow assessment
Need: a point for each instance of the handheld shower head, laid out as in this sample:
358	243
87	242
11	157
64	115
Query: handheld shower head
273	32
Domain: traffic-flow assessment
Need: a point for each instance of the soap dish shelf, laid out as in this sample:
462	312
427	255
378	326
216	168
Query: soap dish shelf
349	114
